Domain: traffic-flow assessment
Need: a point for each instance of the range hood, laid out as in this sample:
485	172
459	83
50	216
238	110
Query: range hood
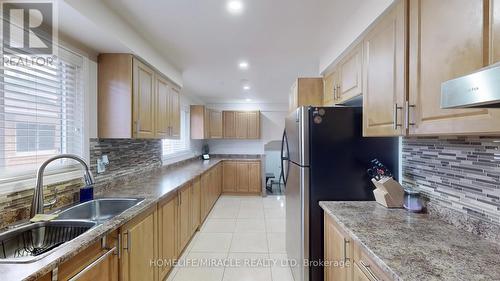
480	89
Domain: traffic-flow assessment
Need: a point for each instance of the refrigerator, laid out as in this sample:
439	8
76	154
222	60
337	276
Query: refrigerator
325	158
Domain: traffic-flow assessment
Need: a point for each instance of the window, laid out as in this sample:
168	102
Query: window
41	111
172	148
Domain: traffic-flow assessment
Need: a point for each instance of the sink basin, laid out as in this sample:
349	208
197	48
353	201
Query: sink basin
98	210
33	241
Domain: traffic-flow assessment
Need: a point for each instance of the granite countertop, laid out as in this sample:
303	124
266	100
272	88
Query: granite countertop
415	247
153	187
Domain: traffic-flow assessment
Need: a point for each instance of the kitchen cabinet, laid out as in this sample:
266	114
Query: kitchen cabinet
139	247
350	70
495	31
99	262
330	87
229	176
229	120
211	187
247	124
196	205
432	23
167	115
305	92
135	100
384	73
242	177
348	260
254	178
167	233
338	251
184	216
215	124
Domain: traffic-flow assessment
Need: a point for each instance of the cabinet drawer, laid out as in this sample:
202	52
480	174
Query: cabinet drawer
368	266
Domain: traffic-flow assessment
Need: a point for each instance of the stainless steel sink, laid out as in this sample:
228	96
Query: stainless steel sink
99	210
31	242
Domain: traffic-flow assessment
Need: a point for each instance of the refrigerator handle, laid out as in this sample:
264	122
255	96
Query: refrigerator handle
284	142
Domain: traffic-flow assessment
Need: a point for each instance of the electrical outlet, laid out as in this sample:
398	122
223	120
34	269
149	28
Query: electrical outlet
102	162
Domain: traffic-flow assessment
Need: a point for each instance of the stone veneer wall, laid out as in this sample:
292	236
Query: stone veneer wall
460	177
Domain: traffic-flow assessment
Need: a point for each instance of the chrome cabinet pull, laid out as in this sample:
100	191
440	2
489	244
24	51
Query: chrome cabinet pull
338	92
395	117
334	92
93	264
346	241
407	121
128	248
369	270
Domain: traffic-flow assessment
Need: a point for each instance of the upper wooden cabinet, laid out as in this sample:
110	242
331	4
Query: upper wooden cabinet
495	31
229	121
460	28
134	100
306	92
384	74
330	86
206	123
247	124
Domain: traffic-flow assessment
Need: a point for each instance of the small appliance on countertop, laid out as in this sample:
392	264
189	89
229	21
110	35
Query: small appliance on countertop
205	152
413	201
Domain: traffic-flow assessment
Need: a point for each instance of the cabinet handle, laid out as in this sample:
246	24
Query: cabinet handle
334	92
346	241
93	264
128	248
338	92
369	270
395	117
407	121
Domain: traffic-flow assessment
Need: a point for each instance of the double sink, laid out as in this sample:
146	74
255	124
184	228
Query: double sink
30	242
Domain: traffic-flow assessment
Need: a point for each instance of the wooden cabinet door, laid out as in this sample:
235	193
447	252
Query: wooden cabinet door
229	120
253	125
495	31
336	251
167	234
384	74
448	40
206	123
229	176
195	205
350	74
358	275
184	216
143	100
215	124
241	125
139	248
255	182
174	113
242	176
162	113
205	194
330	84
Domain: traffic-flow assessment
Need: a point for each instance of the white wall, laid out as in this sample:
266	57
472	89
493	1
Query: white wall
272	124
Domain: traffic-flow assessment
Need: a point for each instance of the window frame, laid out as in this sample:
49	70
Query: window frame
27	179
185	133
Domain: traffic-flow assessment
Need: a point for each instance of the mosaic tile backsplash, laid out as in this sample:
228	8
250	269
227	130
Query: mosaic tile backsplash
458	173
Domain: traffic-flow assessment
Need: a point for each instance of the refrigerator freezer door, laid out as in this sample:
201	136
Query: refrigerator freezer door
297	132
297	220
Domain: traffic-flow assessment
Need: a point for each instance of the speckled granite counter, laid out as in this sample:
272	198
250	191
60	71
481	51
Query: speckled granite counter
415	247
153	187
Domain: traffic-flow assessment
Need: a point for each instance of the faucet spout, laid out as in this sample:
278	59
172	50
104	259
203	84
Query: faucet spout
37	204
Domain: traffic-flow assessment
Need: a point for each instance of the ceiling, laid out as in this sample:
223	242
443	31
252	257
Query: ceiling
280	39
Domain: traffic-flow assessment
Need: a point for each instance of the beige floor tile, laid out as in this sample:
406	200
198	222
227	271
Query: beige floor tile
219	225
212	242
275	213
276	242
249	243
275	225
250	225
280	270
253	267
251	213
224	213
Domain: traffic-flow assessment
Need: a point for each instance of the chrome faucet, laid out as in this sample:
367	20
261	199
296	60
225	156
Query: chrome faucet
37	205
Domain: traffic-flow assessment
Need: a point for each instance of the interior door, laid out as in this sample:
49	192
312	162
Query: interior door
143	100
458	28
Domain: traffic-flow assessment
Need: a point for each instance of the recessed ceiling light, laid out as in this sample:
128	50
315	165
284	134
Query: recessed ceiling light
248	100
235	6
243	65
246	87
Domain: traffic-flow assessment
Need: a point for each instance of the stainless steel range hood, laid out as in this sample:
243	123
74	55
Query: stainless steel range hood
479	89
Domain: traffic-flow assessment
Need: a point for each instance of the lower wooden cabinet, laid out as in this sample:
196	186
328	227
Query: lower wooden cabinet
184	215
139	247
211	188
241	177
348	261
167	234
99	262
195	205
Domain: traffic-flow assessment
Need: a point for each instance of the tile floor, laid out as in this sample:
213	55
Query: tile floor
244	239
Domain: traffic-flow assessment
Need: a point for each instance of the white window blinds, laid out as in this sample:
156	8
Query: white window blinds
41	112
172	148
